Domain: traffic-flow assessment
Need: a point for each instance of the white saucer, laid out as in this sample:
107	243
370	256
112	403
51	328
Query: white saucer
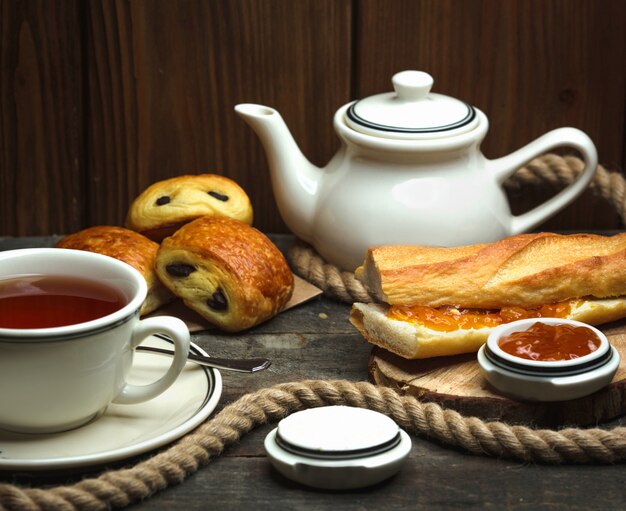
124	430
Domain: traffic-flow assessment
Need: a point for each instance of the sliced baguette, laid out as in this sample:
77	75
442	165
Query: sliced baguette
527	271
415	341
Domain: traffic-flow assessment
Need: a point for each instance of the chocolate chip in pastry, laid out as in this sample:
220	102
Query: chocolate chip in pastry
227	271
167	205
128	246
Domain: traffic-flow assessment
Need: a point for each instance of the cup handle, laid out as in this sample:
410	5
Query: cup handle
175	329
504	167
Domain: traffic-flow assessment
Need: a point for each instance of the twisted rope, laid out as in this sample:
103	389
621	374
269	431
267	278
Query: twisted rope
120	488
552	169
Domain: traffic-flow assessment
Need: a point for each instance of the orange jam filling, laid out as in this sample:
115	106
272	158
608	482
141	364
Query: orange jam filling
448	318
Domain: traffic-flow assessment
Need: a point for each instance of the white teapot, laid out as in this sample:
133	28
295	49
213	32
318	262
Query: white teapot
409	171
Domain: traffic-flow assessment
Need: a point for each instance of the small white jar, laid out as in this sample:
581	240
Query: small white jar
337	447
534	380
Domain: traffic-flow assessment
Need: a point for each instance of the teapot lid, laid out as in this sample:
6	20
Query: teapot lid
412	111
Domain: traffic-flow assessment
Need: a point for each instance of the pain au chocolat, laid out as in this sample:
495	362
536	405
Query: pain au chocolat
225	270
165	206
128	246
442	301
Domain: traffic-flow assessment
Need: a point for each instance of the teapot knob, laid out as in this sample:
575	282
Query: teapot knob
412	85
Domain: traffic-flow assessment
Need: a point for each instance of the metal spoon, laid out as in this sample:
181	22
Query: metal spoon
243	365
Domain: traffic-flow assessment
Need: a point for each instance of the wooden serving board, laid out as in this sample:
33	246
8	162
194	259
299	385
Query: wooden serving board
456	382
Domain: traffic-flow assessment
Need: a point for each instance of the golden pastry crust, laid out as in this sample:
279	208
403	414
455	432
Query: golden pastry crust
527	271
128	246
227	271
413	340
165	206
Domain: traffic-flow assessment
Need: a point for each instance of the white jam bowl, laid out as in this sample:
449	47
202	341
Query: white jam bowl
534	380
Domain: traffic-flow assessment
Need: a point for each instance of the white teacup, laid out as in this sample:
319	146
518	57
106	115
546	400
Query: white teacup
58	378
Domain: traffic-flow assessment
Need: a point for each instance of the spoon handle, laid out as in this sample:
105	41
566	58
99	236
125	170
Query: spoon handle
249	365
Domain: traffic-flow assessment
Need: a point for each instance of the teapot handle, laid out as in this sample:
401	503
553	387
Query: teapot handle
504	167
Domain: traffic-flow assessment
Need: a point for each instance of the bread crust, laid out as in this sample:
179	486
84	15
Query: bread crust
416	341
165	206
220	255
527	270
128	246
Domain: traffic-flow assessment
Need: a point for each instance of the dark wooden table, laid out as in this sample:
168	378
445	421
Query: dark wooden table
316	341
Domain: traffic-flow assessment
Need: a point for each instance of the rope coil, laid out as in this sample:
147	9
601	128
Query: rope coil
121	488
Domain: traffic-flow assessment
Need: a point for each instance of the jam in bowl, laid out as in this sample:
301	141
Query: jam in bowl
548	359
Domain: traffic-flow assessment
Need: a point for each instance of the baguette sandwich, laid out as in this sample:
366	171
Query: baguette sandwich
437	301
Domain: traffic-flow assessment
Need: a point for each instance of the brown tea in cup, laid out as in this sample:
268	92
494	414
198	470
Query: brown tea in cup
48	301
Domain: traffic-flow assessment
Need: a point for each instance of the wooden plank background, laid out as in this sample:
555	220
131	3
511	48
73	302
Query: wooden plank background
100	99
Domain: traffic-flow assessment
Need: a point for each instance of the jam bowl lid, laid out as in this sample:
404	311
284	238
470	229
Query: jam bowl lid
411	111
498	356
337	447
333	432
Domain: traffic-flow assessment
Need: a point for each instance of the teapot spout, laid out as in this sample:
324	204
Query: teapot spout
295	180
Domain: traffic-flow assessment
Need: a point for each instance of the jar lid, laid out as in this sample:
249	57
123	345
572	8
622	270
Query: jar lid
337	431
412	111
337	447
